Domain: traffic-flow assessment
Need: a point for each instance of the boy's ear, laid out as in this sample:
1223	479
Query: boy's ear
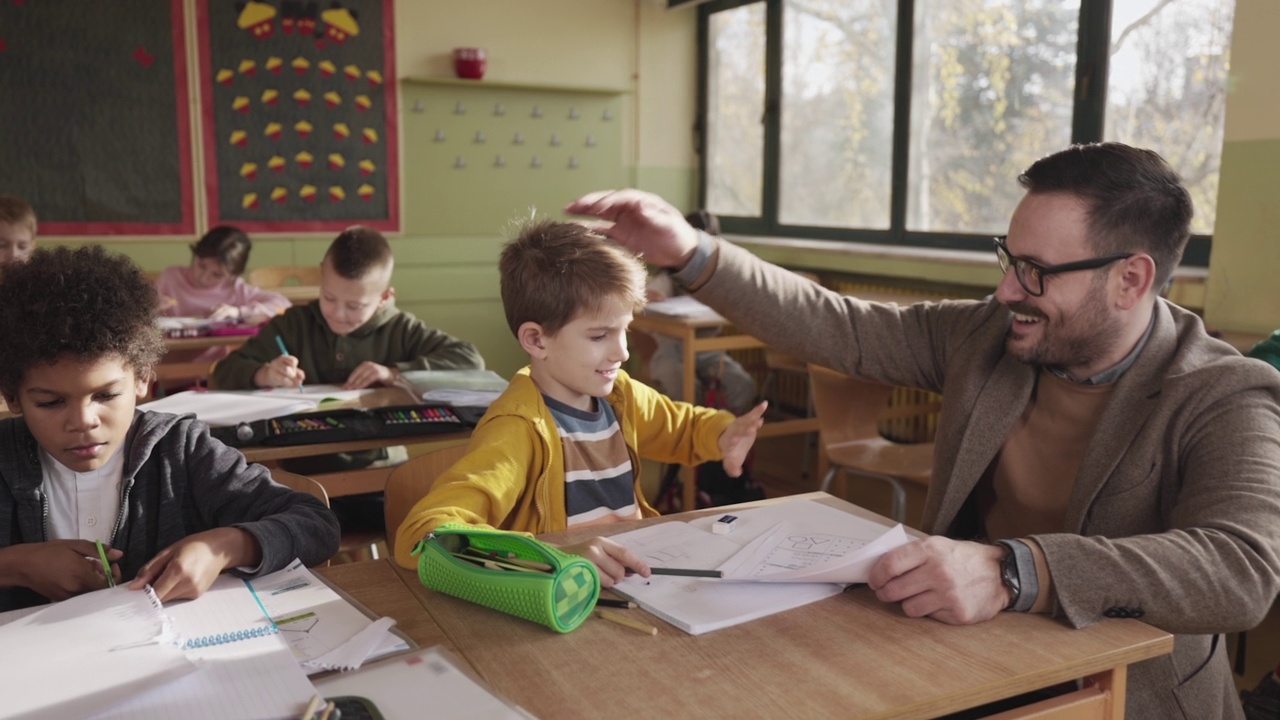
142	383
387	294
532	339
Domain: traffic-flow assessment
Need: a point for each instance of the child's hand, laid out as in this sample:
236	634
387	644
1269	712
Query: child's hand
280	372
369	373
59	569
610	558
185	569
224	312
737	439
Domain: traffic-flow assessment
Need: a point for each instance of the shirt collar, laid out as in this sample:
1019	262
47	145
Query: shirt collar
1113	373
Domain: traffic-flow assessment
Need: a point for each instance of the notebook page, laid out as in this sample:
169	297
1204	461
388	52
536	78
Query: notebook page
73	657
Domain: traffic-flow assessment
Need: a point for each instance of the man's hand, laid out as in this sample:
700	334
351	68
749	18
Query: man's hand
368	374
643	223
58	569
185	569
737	439
610	558
281	372
955	582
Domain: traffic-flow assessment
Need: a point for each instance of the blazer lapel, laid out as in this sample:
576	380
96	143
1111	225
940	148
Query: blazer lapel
997	407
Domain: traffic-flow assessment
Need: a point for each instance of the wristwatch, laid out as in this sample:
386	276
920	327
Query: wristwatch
1009	574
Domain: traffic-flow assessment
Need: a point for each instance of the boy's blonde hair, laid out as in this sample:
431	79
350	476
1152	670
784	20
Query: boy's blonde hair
16	211
358	251
553	271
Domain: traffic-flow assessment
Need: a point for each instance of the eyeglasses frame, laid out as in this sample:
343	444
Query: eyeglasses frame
1008	260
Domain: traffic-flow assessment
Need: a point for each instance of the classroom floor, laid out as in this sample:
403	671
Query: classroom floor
777	467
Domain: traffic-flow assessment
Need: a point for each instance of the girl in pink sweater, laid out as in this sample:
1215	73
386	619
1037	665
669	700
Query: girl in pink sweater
211	286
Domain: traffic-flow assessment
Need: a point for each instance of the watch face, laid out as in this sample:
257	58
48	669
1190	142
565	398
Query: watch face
1009	574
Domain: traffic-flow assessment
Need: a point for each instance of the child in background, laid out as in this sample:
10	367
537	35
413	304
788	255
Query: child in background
667	364
212	287
79	464
17	230
561	447
353	336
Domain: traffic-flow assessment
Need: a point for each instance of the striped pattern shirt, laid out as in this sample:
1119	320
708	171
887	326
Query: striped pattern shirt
599	482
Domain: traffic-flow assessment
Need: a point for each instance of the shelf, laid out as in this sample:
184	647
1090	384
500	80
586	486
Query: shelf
502	85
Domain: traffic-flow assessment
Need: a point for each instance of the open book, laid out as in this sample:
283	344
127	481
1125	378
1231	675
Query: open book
777	558
230	407
459	388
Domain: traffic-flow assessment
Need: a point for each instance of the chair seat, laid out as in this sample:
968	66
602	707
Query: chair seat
912	462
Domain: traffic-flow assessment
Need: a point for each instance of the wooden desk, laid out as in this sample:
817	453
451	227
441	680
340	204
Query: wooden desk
364	480
377	586
849	656
686	330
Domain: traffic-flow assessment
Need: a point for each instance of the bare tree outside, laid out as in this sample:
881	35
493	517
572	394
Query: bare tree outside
1167	88
735	109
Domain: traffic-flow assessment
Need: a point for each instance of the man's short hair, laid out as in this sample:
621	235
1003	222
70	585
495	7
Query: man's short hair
1136	201
554	271
16	211
358	251
226	244
83	302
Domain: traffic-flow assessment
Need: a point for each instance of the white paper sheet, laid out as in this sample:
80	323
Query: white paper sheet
683	306
220	408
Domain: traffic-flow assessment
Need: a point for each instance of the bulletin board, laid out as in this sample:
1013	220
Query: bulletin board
94	119
299	114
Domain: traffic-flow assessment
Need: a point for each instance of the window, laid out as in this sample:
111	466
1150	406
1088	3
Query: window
908	123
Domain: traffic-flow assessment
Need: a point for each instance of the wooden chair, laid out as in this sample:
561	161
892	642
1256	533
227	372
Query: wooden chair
277	276
302	484
411	481
848	411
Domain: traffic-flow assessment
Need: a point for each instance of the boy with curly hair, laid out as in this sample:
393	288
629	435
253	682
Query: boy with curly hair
80	464
561	447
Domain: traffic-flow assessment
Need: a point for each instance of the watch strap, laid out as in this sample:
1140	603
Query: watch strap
1029	585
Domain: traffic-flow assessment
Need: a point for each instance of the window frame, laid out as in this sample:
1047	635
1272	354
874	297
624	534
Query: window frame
1087	123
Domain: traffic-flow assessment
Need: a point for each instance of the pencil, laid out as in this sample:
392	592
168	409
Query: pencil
312	707
614	603
686	572
624	620
106	566
328	710
285	351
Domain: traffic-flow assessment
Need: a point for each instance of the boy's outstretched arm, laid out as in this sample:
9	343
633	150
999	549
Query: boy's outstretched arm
57	569
737	439
185	569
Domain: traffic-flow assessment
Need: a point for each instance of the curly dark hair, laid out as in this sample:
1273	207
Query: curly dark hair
83	302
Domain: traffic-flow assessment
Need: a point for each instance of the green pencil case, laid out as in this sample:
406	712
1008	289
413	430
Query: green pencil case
511	573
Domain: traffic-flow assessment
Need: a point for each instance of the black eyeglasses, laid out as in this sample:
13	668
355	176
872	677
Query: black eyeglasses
1031	275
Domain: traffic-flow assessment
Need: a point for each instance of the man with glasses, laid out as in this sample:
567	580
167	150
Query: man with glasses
1097	454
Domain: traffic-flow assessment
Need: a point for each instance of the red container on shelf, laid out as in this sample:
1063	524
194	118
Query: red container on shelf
469	62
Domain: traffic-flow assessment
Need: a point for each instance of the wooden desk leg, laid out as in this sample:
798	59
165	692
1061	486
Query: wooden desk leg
1114	684
688	475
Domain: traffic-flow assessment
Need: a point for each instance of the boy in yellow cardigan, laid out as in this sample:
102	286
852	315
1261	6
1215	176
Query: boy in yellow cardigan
561	447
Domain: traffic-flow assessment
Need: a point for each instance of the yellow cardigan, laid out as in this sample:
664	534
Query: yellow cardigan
512	477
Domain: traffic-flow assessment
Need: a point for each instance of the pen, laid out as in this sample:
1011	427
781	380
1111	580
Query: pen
611	602
628	622
285	351
685	572
106	566
312	707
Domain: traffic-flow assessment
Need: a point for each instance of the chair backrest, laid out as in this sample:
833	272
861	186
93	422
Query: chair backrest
642	346
284	276
301	483
410	482
848	408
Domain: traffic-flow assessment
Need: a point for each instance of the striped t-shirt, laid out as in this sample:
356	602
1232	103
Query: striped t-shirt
599	482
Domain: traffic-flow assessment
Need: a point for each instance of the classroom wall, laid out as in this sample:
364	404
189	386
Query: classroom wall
1242	292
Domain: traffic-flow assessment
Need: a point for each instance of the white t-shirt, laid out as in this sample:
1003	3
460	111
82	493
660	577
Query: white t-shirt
83	505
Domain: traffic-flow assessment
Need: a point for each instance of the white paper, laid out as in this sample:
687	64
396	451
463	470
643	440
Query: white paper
220	408
683	306
73	657
424	684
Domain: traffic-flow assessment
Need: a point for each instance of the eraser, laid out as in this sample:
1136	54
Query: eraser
724	525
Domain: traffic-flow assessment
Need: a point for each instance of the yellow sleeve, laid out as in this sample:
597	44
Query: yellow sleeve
480	489
672	431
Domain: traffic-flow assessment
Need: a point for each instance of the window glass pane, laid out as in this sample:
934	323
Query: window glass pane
1167	87
991	91
735	107
837	113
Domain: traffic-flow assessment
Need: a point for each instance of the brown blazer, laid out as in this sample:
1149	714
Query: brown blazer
1175	514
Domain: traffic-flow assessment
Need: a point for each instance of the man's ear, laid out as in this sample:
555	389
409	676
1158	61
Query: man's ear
1137	274
532	339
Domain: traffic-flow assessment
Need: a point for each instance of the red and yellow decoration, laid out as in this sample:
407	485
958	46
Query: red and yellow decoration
302	97
249	171
303	128
258	19
364	102
270	96
370	136
276	163
272	130
307	193
326	68
279	194
367	167
304	159
340	24
365	191
274	65
341	131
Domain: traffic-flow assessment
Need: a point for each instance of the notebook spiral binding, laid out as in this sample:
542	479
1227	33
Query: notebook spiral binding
228	637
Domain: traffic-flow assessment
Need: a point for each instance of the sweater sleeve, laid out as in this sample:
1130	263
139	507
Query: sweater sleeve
236	370
252	300
480	489
672	431
230	492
